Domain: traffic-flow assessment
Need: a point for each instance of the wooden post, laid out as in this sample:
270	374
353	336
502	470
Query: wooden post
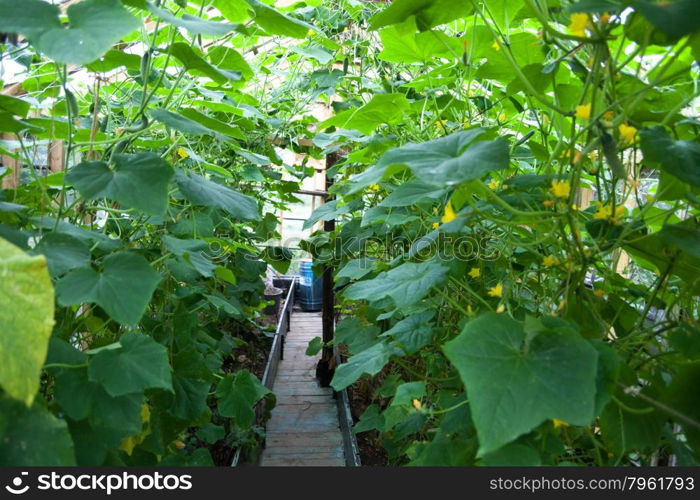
56	156
326	365
11	179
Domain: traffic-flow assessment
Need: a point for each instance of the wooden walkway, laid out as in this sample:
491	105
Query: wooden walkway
303	428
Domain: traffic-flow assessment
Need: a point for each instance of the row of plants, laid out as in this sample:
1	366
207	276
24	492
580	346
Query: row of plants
131	273
516	246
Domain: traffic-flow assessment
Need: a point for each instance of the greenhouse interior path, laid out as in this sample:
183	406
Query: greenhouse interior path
303	429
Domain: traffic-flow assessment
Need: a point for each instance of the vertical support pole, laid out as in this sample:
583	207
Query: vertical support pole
56	157
326	365
11	178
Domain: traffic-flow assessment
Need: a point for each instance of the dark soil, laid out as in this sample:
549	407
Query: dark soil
251	357
371	451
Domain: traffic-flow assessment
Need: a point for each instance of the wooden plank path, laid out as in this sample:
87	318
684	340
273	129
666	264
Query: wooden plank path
303	428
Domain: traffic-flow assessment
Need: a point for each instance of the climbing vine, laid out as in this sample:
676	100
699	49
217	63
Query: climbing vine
516	247
518	258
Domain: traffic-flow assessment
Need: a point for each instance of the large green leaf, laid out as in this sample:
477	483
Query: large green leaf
679	158
358	337
683	236
277	23
212	123
63	252
194	25
412	333
123	288
370	362
524	49
428	13
180	123
450	160
26	320
201	191
677	18
356	268
32	437
280	258
236	11
406	393
114	418
190	399
405	46
624	431
195	62
331	210
192	252
230	60
14	105
8	123
140	363
114	59
412	192
516	381
136	181
237	395
381	109
406	284
94	26
683	397
512	455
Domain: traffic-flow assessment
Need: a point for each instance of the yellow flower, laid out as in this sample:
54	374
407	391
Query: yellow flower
179	444
550	261
450	214
560	189
310	32
627	132
583	111
548	203
620	211
599	292
475	272
500	308
182	153
604	18
496	291
470	310
574	207
441	124
578	24
496	45
493	184
559	423
608	115
502	117
436	225
605	212
374	188
417	404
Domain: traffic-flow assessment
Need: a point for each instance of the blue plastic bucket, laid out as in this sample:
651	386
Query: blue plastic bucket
310	288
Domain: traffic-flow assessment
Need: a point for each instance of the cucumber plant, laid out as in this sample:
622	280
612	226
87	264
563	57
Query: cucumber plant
131	266
517	254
